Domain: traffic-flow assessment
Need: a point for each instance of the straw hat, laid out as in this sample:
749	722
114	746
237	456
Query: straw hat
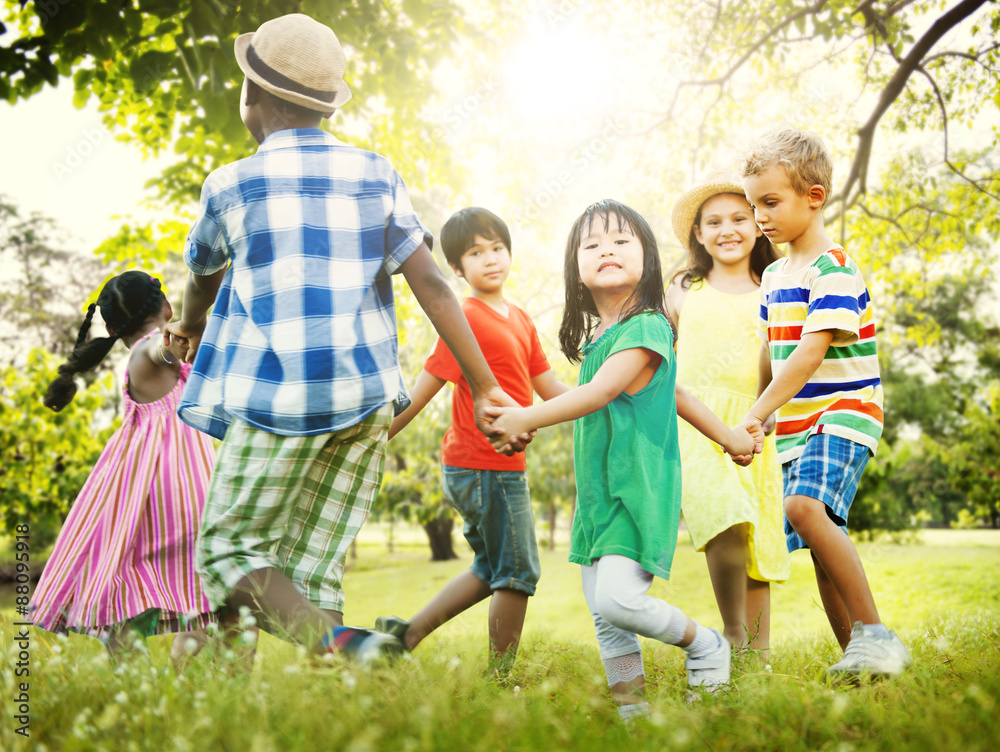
686	208
296	59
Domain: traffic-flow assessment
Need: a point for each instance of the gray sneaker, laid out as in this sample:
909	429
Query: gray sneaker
871	654
709	671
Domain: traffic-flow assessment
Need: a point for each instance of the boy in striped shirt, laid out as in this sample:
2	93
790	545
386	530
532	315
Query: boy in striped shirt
819	371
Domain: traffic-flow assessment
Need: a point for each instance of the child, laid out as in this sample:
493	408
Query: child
298	372
123	564
625	448
819	369
732	513
488	489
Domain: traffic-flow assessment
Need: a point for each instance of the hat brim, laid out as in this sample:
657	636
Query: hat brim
686	208
281	87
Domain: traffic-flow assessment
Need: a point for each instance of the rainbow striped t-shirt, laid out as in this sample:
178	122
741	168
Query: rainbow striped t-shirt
844	396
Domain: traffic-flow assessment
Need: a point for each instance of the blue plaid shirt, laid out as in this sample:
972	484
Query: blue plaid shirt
302	338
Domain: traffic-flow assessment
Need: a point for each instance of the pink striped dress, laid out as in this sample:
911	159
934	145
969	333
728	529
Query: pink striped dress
127	545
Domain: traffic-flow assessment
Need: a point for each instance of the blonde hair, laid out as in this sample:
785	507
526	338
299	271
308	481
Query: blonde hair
802	154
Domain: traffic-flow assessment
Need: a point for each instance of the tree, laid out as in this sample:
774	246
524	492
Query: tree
44	287
45	457
165	75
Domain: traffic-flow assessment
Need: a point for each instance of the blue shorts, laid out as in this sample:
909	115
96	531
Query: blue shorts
828	470
499	525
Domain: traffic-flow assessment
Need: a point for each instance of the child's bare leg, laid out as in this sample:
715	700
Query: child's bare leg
836	557
726	555
759	615
185	647
836	611
631	691
125	641
507	610
464	591
280	609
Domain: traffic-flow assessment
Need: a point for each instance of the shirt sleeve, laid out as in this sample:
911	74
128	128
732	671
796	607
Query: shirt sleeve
834	304
442	364
647	330
404	232
206	250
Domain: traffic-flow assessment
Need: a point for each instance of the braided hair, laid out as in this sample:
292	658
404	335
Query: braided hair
126	302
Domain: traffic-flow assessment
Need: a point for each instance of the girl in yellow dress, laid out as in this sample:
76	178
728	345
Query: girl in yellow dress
732	513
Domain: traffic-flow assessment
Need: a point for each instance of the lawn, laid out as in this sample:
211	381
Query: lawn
941	592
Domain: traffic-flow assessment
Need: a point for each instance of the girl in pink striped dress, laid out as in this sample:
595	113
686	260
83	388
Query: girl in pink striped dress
123	564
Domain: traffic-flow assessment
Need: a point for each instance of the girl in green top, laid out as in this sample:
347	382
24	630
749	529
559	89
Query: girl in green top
625	448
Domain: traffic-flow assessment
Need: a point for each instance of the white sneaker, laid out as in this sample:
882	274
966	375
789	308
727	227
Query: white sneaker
709	671
873	654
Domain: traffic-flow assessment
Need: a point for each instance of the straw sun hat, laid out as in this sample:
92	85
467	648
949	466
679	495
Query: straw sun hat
686	208
296	59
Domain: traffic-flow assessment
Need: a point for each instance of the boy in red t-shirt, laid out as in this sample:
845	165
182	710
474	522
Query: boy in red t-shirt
489	490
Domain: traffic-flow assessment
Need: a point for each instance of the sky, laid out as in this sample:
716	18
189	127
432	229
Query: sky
63	163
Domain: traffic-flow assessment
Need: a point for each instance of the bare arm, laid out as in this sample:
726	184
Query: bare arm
735	441
795	374
199	297
615	376
445	314
673	301
547	386
426	386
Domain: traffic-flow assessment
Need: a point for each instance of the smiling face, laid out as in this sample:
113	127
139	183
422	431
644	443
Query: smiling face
782	214
727	229
485	265
610	259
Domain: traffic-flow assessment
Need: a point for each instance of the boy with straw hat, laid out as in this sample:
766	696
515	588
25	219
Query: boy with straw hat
297	369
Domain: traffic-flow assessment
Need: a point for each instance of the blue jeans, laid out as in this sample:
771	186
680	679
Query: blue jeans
496	508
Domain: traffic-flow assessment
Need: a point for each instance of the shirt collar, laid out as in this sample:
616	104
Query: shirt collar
291	138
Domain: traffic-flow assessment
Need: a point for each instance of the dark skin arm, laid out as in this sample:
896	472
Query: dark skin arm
445	313
199	297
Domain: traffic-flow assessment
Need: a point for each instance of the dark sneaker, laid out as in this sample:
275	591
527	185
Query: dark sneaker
364	646
392	625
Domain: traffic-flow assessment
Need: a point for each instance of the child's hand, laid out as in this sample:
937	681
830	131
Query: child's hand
486	407
747	440
509	429
187	339
770	424
176	346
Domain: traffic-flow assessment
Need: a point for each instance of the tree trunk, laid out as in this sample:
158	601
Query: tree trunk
552	526
439	537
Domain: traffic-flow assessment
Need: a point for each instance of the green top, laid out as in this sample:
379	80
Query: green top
628	467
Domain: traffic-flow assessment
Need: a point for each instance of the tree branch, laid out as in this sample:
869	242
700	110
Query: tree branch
858	173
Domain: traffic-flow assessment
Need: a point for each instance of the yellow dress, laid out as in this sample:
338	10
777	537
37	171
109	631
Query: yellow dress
717	355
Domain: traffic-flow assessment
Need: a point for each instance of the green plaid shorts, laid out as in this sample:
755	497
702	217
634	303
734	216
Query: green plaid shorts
294	503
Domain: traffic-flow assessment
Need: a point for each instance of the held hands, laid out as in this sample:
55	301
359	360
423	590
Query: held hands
183	341
749	433
486	407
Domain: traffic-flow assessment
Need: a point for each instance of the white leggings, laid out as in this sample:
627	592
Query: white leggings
615	588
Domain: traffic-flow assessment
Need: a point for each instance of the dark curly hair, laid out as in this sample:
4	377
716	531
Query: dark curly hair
580	312
126	302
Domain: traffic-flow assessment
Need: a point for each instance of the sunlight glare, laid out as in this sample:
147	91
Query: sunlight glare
555	74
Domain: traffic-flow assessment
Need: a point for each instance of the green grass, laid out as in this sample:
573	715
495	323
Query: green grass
941	593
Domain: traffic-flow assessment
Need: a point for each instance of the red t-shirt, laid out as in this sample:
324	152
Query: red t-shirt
514	354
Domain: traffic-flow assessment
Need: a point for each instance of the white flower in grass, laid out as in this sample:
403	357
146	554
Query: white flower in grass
349	681
121	698
942	644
